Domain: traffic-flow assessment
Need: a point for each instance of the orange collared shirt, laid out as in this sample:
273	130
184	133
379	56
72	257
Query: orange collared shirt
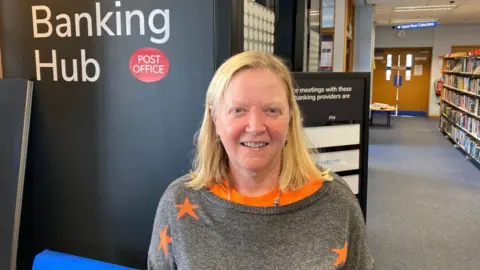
268	199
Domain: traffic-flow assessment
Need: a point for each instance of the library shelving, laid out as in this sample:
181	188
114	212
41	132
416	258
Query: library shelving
460	102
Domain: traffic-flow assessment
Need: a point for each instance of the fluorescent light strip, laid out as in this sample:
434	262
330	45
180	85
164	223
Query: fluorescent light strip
426	9
435	6
413	20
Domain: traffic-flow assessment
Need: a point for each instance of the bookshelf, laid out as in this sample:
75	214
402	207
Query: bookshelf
460	102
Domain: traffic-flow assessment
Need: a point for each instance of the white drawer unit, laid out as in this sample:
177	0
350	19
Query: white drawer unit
353	182
339	161
329	136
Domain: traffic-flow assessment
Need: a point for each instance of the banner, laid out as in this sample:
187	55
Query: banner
119	94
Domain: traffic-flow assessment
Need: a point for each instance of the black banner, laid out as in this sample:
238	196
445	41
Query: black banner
331	97
15	104
119	94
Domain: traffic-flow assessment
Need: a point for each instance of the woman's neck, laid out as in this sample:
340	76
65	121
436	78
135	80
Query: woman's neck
255	183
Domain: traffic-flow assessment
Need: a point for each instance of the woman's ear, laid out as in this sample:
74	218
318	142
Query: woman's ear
211	113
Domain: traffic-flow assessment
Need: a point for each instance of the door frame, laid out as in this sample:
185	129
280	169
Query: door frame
430	73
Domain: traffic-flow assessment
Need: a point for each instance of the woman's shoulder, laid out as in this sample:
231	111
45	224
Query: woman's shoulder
341	193
177	188
176	194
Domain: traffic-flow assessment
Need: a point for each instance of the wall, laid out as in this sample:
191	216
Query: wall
364	41
440	39
339	36
386	37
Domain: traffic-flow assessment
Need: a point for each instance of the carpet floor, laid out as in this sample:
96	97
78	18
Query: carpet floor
423	208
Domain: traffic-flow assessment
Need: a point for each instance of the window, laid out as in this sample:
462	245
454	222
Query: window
389	66
408	74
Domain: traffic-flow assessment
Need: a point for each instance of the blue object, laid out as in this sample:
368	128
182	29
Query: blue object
50	260
412	113
397	80
402	112
417	25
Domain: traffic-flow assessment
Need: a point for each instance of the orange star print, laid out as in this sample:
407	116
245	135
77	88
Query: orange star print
164	241
186	208
342	255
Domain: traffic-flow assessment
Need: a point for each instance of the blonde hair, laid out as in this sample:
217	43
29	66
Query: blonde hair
210	165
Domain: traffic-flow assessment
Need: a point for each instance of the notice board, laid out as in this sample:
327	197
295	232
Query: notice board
335	113
330	97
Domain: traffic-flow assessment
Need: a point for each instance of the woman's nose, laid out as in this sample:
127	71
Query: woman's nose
256	122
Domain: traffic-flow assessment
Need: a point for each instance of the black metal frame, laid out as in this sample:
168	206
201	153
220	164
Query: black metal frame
228	27
364	138
298	56
289	29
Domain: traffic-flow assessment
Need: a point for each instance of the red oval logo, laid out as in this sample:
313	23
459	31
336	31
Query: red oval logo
149	65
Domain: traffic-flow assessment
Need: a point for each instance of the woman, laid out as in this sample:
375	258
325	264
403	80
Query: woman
255	199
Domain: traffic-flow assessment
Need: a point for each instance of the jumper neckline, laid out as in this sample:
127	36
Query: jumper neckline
268	210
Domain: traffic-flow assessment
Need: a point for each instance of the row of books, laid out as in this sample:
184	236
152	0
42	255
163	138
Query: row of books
470	65
464	83
469	103
462	119
461	138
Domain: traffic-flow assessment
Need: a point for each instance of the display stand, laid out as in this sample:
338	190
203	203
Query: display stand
335	109
15	104
460	103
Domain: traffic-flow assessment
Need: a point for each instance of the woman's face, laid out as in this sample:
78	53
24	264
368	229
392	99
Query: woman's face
252	122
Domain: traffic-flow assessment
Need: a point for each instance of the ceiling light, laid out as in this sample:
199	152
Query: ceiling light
412	20
434	6
424	8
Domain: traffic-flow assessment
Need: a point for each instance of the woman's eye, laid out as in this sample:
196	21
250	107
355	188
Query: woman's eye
273	110
237	110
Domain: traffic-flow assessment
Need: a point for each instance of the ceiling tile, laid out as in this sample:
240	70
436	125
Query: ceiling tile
382	16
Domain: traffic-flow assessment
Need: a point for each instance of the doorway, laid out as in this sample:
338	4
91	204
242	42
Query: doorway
402	79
